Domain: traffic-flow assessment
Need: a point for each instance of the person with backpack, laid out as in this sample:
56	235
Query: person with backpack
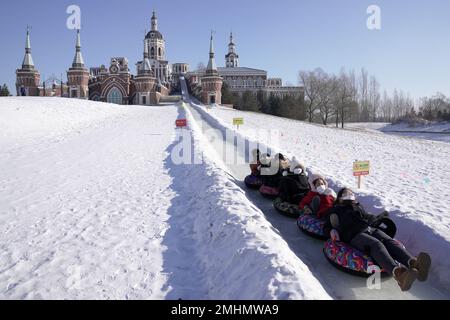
351	224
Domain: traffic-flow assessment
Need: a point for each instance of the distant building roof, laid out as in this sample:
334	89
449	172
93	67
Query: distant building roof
241	71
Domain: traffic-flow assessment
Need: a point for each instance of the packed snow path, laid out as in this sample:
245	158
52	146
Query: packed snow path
338	284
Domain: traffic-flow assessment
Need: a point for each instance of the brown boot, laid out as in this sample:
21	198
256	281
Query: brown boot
422	263
405	277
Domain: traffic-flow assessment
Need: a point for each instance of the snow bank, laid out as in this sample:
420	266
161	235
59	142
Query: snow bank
408	177
25	119
227	249
83	217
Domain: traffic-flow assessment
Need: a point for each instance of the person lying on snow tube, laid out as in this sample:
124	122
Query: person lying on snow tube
293	186
353	231
272	175
255	180
315	207
320	199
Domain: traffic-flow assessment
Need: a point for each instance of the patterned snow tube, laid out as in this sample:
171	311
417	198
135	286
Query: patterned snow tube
287	209
253	182
312	226
269	192
349	259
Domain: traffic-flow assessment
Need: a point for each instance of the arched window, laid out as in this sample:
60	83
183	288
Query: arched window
114	96
152	51
159	52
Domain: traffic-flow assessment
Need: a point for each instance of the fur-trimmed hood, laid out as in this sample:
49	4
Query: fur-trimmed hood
315	177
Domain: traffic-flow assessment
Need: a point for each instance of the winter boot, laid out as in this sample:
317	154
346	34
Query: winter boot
405	277
422	263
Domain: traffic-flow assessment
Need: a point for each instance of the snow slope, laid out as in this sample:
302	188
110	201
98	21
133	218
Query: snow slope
93	206
83	208
434	131
408	177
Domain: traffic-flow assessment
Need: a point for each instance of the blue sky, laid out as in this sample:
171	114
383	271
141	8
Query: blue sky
410	52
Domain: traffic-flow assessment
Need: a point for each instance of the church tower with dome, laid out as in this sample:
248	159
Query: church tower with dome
232	58
156	46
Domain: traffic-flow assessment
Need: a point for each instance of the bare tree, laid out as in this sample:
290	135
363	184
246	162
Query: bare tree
364	95
374	99
201	66
310	81
345	97
328	86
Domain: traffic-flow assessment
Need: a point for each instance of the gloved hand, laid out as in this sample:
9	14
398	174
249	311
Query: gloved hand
334	234
285	173
307	210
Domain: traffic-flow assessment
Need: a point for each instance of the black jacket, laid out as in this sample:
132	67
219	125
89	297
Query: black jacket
293	187
353	220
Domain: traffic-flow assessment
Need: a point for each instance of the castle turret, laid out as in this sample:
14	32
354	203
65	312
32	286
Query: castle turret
211	81
232	58
78	74
27	77
145	81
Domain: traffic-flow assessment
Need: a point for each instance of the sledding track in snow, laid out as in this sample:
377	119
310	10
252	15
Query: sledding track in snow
338	284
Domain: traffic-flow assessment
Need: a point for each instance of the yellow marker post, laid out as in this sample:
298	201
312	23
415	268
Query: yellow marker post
238	122
360	169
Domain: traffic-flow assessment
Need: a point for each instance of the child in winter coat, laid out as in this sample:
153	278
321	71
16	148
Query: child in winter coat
351	224
320	199
294	184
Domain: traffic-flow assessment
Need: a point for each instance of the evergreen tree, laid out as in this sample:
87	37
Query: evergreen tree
227	96
250	102
4	91
275	105
263	102
292	108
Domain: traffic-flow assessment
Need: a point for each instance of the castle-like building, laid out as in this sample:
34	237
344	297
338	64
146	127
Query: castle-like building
153	81
242	79
155	77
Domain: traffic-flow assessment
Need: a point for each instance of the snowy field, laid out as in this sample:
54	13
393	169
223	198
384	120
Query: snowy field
408	176
436	131
92	206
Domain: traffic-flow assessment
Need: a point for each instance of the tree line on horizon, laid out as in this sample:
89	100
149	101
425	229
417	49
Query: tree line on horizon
340	98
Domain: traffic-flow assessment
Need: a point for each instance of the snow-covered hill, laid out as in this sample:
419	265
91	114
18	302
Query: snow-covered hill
439	131
408	177
92	206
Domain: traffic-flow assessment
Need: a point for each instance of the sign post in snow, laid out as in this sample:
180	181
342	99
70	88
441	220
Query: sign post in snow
181	123
360	169
238	122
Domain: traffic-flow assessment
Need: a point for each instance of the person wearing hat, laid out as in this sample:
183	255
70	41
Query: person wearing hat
294	185
351	224
320	199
